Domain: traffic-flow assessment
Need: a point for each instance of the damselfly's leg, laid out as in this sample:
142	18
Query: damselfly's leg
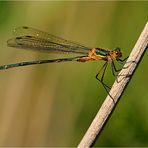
102	77
115	71
106	87
114	68
122	60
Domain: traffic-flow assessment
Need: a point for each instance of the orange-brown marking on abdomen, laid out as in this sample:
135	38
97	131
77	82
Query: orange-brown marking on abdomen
92	56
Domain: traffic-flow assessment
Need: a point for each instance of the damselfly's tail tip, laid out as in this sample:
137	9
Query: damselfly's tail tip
10	42
14	42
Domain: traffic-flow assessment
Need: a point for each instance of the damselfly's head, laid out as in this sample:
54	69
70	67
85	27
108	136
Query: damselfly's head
116	54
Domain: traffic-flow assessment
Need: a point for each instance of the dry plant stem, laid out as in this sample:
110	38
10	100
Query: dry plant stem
117	89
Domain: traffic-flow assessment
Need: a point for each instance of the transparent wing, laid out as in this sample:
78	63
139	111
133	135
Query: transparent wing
30	38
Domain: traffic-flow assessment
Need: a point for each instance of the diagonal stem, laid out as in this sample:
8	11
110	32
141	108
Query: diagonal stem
116	91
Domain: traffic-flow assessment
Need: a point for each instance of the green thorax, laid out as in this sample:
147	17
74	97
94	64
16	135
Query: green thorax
101	52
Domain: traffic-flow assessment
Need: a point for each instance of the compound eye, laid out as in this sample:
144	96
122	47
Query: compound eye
118	49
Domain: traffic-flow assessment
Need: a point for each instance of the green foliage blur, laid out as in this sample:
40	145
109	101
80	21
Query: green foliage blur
54	104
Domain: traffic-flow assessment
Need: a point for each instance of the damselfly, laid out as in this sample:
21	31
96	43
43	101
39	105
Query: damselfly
30	38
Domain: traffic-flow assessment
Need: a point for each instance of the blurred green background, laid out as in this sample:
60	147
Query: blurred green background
54	104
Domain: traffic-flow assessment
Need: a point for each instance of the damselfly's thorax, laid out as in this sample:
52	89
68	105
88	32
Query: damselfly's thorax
102	54
115	54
